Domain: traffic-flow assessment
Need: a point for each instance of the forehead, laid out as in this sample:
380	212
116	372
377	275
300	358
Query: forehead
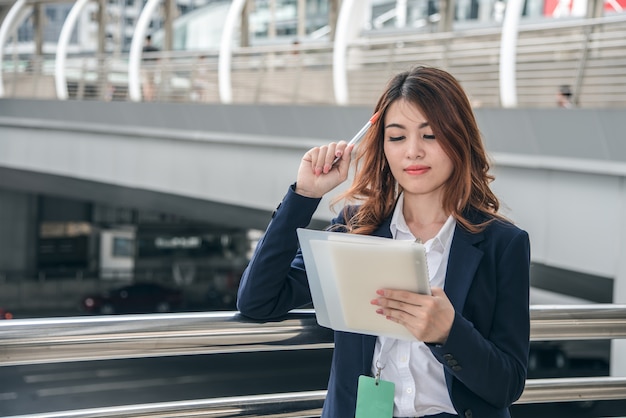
405	113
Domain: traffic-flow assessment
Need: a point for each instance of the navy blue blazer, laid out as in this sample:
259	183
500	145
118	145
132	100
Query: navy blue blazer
487	281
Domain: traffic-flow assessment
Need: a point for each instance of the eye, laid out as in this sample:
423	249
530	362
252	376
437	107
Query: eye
396	138
425	136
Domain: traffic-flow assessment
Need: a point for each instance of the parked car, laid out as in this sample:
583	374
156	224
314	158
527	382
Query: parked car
134	298
4	314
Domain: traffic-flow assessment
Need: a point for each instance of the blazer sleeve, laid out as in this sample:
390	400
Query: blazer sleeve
275	281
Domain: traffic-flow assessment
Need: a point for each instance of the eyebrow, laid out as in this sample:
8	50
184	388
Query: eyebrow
397	125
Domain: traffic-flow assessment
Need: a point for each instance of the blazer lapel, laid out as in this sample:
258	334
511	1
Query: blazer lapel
462	264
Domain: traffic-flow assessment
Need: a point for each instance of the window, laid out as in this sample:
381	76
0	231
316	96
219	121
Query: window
122	247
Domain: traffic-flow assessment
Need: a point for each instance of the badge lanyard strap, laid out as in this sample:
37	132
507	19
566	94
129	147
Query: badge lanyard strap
378	364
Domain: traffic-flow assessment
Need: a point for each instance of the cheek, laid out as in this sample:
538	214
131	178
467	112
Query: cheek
449	169
393	152
445	162
394	163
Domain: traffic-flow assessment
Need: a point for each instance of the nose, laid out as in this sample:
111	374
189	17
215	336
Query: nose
415	148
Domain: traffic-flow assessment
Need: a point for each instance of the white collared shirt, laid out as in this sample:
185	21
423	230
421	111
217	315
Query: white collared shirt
420	386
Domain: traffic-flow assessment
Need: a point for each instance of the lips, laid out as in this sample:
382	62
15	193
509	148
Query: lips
416	169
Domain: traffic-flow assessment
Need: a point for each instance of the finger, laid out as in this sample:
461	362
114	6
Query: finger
319	161
345	157
400	315
401	295
348	151
340	149
393	308
310	157
329	158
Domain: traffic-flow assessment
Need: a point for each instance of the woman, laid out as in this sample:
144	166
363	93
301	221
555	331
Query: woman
421	173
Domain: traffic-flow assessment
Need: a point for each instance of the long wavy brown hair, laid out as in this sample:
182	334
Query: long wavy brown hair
442	100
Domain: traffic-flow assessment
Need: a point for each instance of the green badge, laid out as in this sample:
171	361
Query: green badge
374	398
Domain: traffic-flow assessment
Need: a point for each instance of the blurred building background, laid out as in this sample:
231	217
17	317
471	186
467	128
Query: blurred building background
261	52
121	165
257	53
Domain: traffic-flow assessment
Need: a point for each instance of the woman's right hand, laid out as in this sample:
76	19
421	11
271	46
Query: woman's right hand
317	175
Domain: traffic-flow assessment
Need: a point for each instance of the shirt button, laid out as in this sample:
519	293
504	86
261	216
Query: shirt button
409	390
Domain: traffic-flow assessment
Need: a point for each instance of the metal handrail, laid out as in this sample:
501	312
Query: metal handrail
573	389
30	341
51	340
577	322
54	340
309	403
283	405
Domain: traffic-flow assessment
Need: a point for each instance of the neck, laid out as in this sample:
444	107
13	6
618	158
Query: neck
423	211
423	217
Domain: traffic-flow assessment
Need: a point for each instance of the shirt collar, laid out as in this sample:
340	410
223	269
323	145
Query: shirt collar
398	223
400	230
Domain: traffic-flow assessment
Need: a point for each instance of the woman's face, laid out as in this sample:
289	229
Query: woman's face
415	156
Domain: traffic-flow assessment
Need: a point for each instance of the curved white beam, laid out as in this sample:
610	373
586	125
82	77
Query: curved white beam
340	74
400	13
8	24
349	25
136	48
226	51
508	53
64	39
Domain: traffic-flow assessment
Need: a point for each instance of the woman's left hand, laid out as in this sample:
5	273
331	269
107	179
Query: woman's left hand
428	318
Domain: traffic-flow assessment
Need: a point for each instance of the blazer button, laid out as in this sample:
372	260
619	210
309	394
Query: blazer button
468	413
456	368
452	362
447	356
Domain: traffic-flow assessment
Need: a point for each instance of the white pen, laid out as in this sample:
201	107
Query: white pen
361	133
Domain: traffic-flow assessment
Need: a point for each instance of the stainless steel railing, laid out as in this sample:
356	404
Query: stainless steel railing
279	405
577	322
309	404
30	341
585	53
53	340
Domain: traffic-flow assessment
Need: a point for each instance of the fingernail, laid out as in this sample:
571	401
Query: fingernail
380	292
374	301
379	311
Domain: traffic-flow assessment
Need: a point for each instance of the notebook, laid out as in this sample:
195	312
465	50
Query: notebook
345	270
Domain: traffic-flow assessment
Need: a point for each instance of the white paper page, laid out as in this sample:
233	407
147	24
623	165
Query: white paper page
330	306
315	285
361	269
